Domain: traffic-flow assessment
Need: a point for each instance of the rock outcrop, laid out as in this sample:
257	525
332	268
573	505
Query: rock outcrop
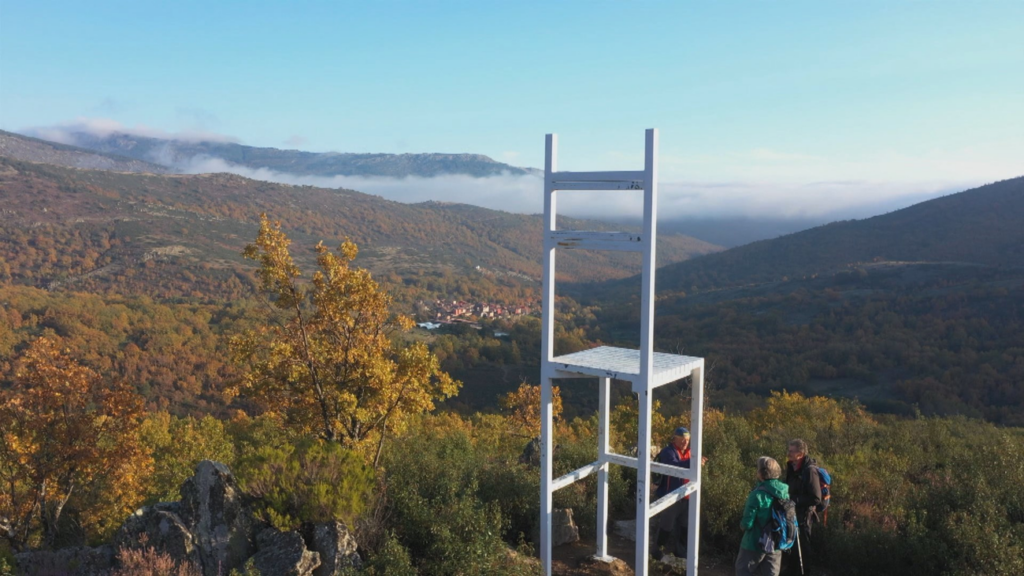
563	529
284	553
214	529
86	561
215	510
336	547
161	527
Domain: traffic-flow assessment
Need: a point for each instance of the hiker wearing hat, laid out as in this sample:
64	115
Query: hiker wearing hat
753	560
670	525
805	490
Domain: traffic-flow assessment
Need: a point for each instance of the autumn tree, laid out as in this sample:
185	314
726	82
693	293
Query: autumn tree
178	445
523	406
63	432
328	359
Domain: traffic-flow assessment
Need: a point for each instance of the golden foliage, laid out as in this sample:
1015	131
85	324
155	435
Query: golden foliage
178	445
327	361
830	424
67	434
524	408
624	422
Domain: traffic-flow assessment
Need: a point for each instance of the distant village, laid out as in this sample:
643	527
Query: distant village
460	311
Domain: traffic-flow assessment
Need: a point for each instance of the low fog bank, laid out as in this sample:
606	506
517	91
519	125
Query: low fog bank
724	213
817	202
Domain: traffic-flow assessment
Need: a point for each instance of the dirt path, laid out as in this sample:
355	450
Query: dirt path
575	560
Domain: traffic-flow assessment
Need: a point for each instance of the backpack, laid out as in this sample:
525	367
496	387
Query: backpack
826	493
780	532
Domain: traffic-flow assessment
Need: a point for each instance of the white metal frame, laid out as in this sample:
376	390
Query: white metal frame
643	368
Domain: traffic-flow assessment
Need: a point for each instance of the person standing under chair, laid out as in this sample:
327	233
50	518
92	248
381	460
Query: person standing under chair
752	559
671	526
805	491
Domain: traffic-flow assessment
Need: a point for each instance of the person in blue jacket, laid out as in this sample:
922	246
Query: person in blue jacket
670	526
752	561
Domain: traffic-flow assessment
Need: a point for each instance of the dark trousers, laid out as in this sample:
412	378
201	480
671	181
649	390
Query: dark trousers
669	530
791	561
750	563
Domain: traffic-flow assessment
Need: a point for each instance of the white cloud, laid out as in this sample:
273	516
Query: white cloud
512	193
524	194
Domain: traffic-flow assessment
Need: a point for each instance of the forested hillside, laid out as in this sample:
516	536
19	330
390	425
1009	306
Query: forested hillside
920	310
215	372
979	226
175	235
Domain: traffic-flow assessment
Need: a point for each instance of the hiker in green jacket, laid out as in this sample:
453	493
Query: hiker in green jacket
752	561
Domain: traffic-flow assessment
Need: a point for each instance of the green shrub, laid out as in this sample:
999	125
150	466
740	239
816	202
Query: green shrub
728	478
392	559
437	511
178	445
515	489
310	481
6	560
249	435
929	496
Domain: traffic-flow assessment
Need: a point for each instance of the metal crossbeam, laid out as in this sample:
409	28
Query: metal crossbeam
630	180
673	497
656	467
618	241
575	475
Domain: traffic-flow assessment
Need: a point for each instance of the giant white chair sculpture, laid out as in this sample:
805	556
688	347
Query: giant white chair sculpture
643	368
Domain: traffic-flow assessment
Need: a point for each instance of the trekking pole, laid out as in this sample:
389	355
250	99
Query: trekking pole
799	552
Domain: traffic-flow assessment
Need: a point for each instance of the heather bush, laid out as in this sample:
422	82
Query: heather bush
310	481
148	562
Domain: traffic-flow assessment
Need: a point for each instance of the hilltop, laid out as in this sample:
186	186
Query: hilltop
21	147
174	153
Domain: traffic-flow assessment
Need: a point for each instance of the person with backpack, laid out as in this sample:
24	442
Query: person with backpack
754	559
805	488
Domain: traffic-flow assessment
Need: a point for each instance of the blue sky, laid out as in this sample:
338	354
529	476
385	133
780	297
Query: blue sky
885	98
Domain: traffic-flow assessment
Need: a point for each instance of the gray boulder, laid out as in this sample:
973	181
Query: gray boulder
531	453
214	508
563	529
161	527
284	554
336	547
76	561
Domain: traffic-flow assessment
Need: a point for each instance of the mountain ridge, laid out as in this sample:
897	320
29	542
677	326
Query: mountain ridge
178	154
983	225
29	149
